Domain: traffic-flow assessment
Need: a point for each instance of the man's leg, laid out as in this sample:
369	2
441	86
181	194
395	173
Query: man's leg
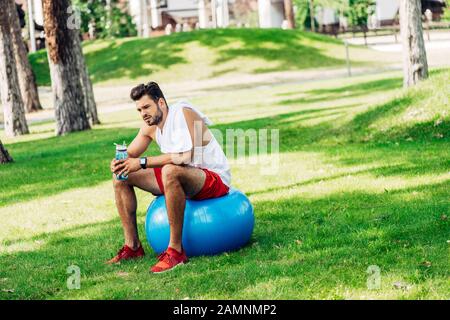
180	182
126	201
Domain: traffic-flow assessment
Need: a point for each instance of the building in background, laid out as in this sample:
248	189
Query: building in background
38	23
385	14
244	13
271	13
327	19
157	15
435	6
386	11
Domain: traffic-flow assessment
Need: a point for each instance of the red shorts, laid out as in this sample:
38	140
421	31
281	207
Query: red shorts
212	188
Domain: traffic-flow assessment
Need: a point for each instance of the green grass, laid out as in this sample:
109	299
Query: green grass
363	180
208	54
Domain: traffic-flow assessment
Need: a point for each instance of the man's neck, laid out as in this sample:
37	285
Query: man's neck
161	124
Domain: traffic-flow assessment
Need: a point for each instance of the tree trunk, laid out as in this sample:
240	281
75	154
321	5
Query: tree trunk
63	55
14	113
289	14
311	13
27	79
415	66
89	100
4	155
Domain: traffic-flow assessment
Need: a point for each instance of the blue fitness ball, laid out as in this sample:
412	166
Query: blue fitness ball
210	226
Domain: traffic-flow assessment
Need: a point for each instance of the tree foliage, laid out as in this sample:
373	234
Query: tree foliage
357	11
446	15
96	13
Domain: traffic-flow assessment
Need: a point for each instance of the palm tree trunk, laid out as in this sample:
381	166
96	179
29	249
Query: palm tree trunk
27	79
14	113
63	55
415	65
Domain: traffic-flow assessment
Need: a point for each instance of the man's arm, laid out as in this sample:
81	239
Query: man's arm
140	143
169	158
196	128
136	148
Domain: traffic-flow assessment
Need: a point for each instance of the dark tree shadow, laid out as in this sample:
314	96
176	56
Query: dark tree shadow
49	166
345	92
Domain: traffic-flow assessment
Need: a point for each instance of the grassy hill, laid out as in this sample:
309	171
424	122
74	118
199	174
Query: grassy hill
420	113
208	53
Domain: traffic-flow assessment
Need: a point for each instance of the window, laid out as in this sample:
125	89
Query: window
162	4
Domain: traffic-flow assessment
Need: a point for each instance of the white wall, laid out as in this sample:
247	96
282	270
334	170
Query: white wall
202	16
264	13
326	16
329	16
223	14
181	4
386	9
141	19
271	13
135	13
38	13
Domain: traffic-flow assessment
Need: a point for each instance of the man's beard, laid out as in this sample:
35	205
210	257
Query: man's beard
157	118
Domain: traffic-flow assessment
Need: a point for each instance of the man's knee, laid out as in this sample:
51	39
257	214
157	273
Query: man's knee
170	174
119	183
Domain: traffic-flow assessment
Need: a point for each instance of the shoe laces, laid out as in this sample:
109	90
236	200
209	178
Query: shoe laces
166	257
121	251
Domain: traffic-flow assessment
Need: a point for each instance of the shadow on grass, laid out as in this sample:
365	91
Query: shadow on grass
138	57
301	248
143	57
271	45
345	92
49	166
425	131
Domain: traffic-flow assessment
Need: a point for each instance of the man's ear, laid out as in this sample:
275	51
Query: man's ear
161	102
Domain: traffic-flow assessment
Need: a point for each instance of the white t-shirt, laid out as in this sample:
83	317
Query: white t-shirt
175	137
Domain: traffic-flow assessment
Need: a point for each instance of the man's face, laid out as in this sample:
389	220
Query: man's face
150	111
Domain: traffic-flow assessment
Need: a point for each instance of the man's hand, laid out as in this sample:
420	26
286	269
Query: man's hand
125	166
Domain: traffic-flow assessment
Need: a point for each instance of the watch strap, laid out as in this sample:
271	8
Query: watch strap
143	162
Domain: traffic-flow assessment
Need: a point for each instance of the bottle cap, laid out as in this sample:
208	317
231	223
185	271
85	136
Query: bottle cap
121	147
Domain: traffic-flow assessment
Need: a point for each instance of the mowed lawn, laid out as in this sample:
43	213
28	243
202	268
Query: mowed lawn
209	54
361	178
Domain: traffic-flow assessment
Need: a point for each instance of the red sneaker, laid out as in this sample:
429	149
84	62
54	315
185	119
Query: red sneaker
168	260
126	253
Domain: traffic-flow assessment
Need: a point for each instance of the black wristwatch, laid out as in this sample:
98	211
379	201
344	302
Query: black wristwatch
143	162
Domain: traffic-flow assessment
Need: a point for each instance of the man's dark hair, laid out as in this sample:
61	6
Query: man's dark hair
151	89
